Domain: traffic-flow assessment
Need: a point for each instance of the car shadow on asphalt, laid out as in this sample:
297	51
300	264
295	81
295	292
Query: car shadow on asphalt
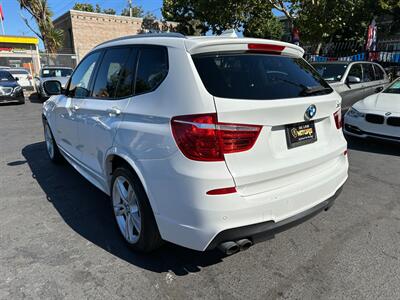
87	211
34	98
373	146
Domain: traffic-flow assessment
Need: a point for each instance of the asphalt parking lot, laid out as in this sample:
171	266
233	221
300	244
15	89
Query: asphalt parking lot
58	239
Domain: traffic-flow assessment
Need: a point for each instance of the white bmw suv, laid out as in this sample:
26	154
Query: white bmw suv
204	142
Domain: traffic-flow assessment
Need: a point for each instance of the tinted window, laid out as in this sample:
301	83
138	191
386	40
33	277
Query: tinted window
112	67
379	75
356	71
394	88
152	69
56	72
331	72
6	76
19	72
369	74
258	76
79	84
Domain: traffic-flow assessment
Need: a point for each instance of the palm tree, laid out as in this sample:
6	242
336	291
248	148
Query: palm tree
39	10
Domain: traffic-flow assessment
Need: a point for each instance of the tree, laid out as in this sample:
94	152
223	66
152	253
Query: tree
86	7
218	15
90	8
137	12
39	10
150	24
109	11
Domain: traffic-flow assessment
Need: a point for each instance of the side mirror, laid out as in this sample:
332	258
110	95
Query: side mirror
379	89
16	78
353	79
52	87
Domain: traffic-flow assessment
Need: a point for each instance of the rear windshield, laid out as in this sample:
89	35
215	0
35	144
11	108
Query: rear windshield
18	72
56	72
331	72
258	76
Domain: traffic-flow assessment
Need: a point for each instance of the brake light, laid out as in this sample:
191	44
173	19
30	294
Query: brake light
201	137
222	191
338	119
29	77
265	48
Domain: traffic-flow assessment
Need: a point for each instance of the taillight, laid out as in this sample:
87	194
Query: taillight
338	119
201	137
265	48
29	77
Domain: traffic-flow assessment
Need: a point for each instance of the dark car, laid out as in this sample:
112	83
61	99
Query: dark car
10	90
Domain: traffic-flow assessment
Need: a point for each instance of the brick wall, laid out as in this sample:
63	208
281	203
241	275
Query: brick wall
85	30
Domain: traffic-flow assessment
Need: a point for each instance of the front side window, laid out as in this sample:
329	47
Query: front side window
369	74
79	84
6	76
356	71
258	76
152	69
112	67
332	71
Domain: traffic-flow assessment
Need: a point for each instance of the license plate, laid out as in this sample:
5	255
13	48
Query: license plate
300	134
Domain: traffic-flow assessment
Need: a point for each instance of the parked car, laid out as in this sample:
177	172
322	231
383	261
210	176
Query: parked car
353	80
201	141
61	74
10	90
377	116
25	78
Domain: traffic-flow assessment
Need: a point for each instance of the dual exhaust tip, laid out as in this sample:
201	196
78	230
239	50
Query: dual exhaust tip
231	247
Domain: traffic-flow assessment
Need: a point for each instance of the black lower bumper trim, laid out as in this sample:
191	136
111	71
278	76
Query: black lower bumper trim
266	230
358	131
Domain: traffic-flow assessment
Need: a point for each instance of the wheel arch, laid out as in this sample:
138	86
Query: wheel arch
114	160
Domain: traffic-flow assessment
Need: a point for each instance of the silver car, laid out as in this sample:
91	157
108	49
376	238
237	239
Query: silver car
353	80
61	74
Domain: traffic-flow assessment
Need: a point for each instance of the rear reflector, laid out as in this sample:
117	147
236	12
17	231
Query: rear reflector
201	137
345	152
265	48
338	119
222	191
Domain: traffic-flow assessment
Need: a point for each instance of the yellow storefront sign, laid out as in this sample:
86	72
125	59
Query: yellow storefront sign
18	39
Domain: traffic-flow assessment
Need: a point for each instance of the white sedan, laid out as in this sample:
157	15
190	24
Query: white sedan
377	116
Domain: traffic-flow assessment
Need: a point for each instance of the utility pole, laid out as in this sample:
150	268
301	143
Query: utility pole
130	8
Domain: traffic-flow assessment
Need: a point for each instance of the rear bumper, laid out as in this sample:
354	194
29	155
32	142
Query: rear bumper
266	230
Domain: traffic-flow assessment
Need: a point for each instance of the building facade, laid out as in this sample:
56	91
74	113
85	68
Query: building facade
85	30
20	52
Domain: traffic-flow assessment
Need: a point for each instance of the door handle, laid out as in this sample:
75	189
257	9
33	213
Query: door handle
113	112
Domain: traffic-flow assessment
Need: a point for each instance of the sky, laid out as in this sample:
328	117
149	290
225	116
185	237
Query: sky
14	25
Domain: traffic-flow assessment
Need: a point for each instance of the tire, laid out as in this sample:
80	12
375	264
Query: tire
22	101
51	146
132	211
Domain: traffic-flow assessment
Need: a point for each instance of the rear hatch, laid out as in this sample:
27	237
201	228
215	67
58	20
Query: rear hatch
297	111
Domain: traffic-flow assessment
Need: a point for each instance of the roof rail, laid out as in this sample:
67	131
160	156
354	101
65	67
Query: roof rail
146	35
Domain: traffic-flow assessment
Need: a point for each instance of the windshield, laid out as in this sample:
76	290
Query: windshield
56	72
6	76
394	88
258	76
18	72
331	72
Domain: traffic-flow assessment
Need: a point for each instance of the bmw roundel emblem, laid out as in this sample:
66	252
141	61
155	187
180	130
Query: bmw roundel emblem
311	111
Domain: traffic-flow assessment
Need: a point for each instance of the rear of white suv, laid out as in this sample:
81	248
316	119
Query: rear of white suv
237	140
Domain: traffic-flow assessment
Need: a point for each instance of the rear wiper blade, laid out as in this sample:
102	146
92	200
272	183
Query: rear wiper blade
315	90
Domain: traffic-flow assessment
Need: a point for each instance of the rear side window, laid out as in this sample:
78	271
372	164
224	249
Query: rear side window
110	71
258	76
369	74
152	69
379	75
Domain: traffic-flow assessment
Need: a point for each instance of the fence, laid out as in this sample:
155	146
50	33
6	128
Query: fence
59	59
387	52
